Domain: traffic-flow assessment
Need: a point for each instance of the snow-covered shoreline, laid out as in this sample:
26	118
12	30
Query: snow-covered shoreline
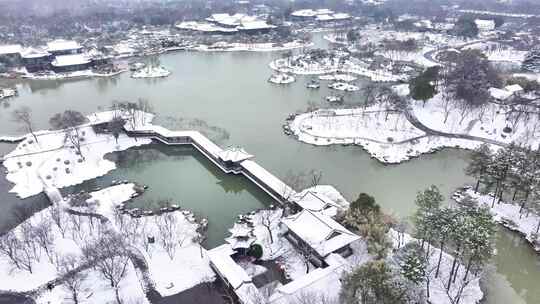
7	93
393	136
70	75
245	47
388	145
283	66
506	214
33	166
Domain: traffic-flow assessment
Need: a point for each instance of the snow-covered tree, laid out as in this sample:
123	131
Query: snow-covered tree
372	282
478	164
428	202
532	61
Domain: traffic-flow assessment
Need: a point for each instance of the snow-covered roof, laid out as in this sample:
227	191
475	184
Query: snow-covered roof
484	24
225	265
499	94
255	25
63	45
514	88
318	279
231	20
240	243
204	27
34	53
234	154
67	60
341	16
241	230
313	201
237	277
330	17
266	177
311	12
320	232
10	49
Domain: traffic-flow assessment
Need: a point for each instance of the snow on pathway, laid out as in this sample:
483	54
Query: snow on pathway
391	138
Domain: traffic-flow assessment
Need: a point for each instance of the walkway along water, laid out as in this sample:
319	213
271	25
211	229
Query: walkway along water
241	164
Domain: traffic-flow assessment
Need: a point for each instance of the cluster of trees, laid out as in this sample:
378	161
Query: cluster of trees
409	45
406	275
424	86
34	240
394	278
464	83
470	77
512	171
467	233
466	27
366	218
532	61
379	280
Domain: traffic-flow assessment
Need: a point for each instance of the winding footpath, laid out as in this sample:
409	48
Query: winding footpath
409	114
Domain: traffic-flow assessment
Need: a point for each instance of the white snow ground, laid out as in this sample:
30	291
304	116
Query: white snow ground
507	214
32	166
391	138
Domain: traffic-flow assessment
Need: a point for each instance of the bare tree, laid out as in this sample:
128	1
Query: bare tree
43	235
145	107
59	218
172	233
268	220
111	259
10	247
73	281
29	249
300	180
23	115
70	121
307	254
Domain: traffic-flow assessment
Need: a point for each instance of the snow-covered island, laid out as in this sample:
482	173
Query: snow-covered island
7	93
321	62
281	78
151	71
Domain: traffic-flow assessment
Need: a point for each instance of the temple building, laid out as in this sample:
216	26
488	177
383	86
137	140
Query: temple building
64	47
71	63
35	60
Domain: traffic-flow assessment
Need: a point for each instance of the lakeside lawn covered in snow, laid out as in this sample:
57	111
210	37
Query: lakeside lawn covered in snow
389	136
52	243
71	230
52	162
